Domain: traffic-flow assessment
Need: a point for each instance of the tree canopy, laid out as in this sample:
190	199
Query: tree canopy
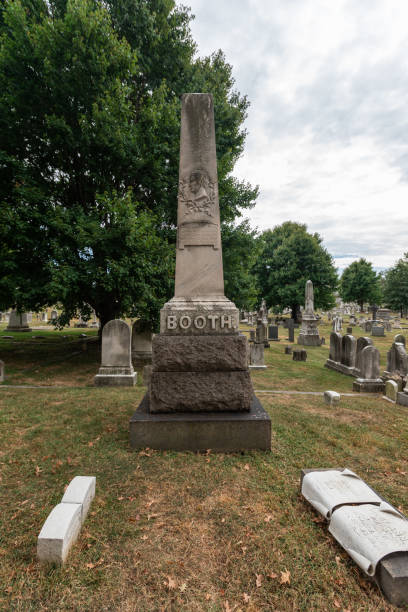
360	283
89	145
290	256
396	285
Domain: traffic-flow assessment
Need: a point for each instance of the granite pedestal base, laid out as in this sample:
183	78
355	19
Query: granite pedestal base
220	431
402	398
363	385
18	329
309	340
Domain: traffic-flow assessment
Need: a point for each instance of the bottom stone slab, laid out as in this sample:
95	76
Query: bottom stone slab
221	431
339	367
402	398
115	380
363	385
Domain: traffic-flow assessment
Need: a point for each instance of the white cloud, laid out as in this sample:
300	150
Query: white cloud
328	123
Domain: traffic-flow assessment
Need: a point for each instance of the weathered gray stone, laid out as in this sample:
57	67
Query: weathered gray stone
348	351
199	353
141	342
273	333
331	397
309	334
116	367
391	390
370	363
147	374
199	308
362	342
402	397
397	360
393	578
335	347
400	339
200	391
256	356
299	355
377	330
81	490
288	350
291	330
59	533
18	322
220	431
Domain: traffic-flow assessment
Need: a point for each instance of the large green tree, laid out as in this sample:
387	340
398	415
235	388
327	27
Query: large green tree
396	285
290	256
360	283
89	140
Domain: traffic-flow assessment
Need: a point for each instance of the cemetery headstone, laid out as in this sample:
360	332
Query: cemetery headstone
342	354
200	393
331	397
348	351
288	350
391	390
369	380
299	355
377	330
116	367
273	333
256	356
141	343
397	361
399	338
18	322
309	334
291	330
362	342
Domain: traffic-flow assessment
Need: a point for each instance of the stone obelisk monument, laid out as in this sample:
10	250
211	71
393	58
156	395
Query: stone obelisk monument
309	334
200	394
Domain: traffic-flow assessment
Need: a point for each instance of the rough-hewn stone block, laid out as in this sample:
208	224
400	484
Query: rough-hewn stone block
59	533
199	353
81	490
200	391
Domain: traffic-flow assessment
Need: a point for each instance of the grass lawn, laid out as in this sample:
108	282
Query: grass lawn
184	531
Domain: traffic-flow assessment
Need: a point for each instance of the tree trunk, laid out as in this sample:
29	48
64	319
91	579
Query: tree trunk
361	304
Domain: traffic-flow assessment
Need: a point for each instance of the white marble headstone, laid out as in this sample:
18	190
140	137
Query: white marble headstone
368	533
328	489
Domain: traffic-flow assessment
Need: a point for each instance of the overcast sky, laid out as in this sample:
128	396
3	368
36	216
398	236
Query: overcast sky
328	122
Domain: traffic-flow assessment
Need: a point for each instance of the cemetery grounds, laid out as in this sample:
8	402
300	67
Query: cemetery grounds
183	531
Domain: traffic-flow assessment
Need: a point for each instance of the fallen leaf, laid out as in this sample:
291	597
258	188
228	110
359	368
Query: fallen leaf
227	606
318	519
208	597
145	537
183	587
152	516
171	583
38	470
244	549
401	472
268	518
259	578
246	597
120	498
90	443
285	577
272	575
246	466
90	565
336	603
338	560
150	503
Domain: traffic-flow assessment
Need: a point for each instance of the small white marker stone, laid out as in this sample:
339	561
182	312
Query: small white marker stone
331	397
81	490
59	533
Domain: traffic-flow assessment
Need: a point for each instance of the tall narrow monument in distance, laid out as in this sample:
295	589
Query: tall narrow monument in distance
200	394
309	334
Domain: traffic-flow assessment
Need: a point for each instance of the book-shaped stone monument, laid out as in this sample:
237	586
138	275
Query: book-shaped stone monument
200	394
